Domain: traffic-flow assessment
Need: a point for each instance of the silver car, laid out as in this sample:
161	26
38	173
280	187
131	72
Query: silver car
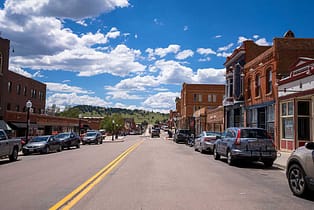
300	170
205	141
252	144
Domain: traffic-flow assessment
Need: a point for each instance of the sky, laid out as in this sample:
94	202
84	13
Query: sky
136	54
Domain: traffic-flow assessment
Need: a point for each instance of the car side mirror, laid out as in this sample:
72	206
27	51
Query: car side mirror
310	145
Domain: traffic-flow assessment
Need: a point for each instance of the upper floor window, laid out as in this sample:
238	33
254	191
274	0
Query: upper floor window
257	85
249	88
230	88
212	98
268	81
197	98
18	89
33	93
25	91
9	86
1	60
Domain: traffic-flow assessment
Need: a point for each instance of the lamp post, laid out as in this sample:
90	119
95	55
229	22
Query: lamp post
80	123
28	106
113	130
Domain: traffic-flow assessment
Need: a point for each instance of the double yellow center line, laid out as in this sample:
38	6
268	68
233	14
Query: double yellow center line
76	195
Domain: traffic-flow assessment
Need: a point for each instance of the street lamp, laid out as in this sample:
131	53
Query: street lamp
80	123
28	106
112	130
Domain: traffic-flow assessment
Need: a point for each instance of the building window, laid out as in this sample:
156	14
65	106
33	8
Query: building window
197	98
271	120
249	88
18	89
25	91
287	120
33	93
230	88
257	85
8	106
1	60
9	86
17	108
303	120
212	97
269	82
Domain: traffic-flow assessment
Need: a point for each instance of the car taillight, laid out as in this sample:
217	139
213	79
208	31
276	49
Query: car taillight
206	139
238	139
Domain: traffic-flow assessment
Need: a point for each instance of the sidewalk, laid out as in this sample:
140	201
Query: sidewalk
281	160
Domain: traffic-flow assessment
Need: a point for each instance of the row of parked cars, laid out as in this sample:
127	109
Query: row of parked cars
254	144
56	143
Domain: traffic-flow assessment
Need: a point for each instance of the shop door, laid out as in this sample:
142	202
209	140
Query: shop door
261	118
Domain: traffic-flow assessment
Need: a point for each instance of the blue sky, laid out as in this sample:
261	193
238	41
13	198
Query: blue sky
137	53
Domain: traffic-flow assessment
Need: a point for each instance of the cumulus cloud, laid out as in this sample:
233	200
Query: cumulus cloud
184	54
209	76
205	51
74	9
64	88
225	48
162	52
73	99
163	100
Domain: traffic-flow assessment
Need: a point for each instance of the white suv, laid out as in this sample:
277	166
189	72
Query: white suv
300	170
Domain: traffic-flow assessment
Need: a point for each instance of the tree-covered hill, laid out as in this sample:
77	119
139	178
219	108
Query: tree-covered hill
139	116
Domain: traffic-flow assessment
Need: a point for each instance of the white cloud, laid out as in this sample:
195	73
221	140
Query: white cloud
138	83
184	54
20	71
255	36
72	99
209	76
185	28
241	39
223	54
162	52
161	101
206	51
262	42
64	88
75	9
225	48
218	36
81	22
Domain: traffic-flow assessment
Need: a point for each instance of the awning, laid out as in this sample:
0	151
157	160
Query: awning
4	126
23	125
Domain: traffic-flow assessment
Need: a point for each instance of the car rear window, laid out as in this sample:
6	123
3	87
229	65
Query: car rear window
252	133
184	131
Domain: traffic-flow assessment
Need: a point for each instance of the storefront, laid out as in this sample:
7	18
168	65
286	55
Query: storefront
296	105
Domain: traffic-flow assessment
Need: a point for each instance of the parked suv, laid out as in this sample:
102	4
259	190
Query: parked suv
92	137
182	135
300	170
253	144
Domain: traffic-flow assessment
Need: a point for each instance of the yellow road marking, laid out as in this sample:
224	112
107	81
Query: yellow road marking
77	194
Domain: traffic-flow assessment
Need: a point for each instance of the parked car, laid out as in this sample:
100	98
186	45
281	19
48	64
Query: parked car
182	135
92	137
42	144
300	170
69	139
205	141
155	132
253	144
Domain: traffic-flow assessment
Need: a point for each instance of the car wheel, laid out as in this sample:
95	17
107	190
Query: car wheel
230	159
78	145
216	155
201	149
59	148
14	155
296	178
46	150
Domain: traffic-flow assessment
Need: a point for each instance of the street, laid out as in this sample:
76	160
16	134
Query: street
154	174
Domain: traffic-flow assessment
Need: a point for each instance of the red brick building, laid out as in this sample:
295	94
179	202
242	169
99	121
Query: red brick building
260	80
195	97
16	90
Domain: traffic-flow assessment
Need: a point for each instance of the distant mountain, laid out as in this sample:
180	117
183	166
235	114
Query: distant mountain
139	116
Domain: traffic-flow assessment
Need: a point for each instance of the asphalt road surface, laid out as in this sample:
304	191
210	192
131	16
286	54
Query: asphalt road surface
141	173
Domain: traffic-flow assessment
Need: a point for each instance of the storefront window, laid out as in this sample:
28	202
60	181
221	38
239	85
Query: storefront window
287	120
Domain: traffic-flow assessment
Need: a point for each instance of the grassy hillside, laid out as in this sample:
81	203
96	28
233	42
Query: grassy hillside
139	116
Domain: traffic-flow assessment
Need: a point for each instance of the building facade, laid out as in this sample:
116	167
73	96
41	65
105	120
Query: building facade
234	92
260	80
195	97
296	105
